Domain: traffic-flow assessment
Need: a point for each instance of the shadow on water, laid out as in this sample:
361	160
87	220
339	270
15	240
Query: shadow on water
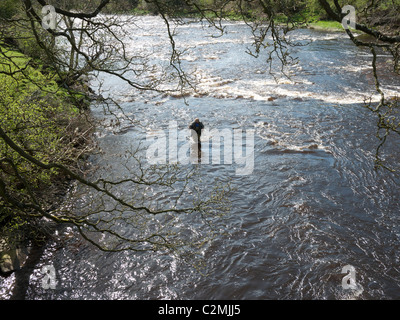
23	274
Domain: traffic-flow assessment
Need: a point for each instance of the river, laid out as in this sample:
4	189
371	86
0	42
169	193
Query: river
312	203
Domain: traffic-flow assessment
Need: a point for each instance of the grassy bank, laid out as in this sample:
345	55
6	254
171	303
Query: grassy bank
326	25
44	120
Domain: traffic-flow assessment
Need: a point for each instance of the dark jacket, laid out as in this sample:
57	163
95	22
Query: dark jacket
197	126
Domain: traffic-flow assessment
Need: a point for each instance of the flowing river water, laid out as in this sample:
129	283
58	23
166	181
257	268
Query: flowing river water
312	203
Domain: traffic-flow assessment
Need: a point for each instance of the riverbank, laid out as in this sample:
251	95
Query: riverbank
316	24
52	124
325	25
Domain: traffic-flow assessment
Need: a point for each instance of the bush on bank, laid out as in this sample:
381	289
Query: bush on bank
44	121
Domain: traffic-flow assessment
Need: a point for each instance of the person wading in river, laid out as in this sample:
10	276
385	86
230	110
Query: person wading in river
197	126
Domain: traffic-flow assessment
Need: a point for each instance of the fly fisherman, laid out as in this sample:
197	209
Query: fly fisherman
197	126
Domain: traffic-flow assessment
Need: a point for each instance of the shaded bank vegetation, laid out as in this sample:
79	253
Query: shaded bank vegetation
50	124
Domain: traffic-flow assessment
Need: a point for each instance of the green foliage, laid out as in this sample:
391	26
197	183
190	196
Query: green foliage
32	112
8	8
36	115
